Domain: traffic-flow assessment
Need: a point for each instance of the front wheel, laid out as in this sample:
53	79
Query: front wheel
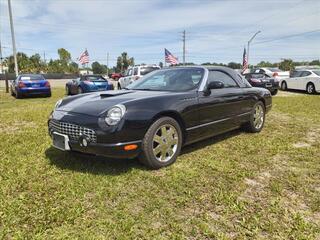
162	143
311	88
119	86
68	91
274	92
257	118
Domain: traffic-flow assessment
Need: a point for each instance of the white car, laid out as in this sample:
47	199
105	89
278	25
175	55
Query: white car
134	73
306	80
273	72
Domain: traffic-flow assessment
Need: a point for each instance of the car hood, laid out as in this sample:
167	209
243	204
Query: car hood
97	103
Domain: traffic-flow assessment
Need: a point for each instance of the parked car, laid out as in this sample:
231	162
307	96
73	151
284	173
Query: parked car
273	72
264	81
134	73
306	80
88	83
159	114
30	85
116	76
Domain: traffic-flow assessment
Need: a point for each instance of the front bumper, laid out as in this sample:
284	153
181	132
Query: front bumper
107	150
270	86
102	142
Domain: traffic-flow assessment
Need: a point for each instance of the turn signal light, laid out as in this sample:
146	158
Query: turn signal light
130	147
275	74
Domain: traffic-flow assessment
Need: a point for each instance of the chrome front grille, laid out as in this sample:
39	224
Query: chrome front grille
73	131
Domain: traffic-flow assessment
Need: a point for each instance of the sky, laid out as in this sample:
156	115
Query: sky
216	30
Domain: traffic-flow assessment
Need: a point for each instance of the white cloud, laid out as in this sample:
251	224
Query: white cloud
216	30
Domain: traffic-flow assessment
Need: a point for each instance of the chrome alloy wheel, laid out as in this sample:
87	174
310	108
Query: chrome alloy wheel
165	142
258	116
310	88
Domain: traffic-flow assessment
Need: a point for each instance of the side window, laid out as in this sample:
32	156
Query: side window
135	71
222	77
129	73
305	74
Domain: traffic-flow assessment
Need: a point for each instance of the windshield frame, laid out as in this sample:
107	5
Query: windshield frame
197	88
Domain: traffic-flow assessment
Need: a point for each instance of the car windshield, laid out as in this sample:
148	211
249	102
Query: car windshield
146	70
178	79
95	79
317	72
31	77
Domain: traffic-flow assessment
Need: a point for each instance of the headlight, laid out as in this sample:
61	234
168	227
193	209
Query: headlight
115	114
58	103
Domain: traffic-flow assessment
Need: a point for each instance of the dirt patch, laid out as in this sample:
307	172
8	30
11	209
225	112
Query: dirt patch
312	137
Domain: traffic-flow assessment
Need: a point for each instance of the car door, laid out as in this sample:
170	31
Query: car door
292	82
218	110
128	77
303	80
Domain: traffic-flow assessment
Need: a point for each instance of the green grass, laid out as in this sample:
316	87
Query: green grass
235	186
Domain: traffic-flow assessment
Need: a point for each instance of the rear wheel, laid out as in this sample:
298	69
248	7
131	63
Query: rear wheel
18	95
119	86
284	86
67	91
311	88
257	118
161	144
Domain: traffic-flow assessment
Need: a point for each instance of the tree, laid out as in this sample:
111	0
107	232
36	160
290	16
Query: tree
286	65
315	62
123	62
234	65
64	55
97	68
265	64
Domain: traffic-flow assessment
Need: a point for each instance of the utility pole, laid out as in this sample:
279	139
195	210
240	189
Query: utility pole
254	35
44	57
13	39
184	46
108	64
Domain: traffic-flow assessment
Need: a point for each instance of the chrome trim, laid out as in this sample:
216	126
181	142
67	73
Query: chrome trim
116	144
204	80
73	131
217	121
206	124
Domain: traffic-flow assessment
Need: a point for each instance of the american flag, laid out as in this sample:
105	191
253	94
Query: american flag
244	61
170	58
84	57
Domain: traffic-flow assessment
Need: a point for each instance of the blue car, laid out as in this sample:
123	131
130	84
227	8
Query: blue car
30	85
88	83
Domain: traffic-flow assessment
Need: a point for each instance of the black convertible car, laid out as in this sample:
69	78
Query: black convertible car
155	116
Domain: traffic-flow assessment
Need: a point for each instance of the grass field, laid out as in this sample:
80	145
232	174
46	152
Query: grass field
235	186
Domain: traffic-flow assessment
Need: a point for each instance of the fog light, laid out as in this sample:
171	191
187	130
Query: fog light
83	141
130	147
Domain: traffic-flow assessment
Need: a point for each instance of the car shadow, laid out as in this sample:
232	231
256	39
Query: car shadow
81	162
97	165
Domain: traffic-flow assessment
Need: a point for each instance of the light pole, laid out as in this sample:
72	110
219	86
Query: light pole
13	40
254	35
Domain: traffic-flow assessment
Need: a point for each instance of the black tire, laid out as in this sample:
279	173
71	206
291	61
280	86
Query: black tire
12	93
147	156
18	95
274	92
119	86
251	126
68	91
284	86
49	94
80	90
311	89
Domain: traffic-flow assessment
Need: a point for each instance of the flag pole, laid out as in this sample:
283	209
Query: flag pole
165	63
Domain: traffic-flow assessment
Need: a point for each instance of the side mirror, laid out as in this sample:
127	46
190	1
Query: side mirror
215	85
